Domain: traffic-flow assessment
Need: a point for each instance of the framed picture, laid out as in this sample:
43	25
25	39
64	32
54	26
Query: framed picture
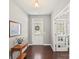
14	28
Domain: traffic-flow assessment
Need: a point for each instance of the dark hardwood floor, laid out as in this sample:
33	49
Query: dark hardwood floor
45	52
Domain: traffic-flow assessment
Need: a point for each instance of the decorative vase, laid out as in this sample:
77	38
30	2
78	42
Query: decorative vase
19	41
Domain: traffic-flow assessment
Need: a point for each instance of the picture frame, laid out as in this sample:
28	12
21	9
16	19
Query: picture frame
14	29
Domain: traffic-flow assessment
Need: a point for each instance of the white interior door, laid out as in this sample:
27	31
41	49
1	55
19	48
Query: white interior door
37	31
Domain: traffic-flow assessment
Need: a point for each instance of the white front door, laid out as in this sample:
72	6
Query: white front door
37	31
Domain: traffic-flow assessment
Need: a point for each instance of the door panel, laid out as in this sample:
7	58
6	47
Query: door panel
37	31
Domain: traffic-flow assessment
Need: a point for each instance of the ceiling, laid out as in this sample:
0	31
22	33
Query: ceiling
45	6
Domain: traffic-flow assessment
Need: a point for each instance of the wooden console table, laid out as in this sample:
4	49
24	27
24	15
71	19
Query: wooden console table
20	49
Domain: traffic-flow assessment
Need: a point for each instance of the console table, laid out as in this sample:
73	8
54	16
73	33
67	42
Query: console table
19	47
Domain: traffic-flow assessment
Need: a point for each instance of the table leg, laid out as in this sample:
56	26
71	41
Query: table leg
11	55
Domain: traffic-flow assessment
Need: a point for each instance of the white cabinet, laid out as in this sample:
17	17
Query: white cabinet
61	43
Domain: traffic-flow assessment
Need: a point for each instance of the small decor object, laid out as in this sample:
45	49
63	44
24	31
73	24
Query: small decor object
19	40
61	39
59	46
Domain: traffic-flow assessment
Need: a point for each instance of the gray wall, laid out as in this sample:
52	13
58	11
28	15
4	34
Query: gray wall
47	27
17	15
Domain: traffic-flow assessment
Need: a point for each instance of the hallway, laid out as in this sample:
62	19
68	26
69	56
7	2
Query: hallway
43	25
45	52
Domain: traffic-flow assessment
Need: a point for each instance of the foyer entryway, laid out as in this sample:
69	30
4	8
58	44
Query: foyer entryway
40	30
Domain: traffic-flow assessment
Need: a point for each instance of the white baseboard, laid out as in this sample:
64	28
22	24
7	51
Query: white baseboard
40	44
43	45
52	48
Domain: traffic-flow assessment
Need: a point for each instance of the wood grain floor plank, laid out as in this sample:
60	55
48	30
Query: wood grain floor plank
45	52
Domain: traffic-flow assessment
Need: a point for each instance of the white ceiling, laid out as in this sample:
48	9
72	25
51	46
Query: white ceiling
45	6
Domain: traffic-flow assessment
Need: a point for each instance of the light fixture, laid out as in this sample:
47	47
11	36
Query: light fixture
36	3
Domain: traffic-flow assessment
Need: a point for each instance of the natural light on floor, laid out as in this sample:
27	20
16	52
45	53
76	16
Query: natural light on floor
38	56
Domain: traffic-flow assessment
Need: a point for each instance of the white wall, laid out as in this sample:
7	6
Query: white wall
47	27
17	15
